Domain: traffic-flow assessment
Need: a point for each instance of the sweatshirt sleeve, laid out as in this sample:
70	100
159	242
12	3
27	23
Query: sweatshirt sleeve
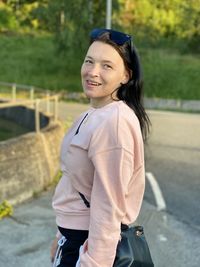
113	170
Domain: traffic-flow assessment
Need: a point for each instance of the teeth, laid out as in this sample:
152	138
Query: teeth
93	83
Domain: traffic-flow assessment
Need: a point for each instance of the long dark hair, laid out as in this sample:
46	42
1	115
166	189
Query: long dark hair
132	92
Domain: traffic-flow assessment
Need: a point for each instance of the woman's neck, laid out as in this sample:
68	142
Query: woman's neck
99	103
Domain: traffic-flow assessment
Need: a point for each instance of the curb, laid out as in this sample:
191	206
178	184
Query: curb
172	104
149	103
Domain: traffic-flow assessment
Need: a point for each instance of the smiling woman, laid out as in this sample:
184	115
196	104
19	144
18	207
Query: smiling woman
102	157
102	72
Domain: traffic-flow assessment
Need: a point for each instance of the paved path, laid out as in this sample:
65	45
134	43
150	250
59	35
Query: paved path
26	237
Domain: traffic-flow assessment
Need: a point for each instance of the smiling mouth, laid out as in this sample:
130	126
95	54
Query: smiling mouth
92	83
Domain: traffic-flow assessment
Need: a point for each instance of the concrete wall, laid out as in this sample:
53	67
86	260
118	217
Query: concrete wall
29	163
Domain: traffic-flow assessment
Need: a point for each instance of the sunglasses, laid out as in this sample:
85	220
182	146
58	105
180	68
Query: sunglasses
119	38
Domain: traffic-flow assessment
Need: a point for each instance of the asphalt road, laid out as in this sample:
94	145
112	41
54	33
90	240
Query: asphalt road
173	156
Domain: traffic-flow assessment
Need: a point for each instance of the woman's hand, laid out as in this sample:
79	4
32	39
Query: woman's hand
54	247
82	250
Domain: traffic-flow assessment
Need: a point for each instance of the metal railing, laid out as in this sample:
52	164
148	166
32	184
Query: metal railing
43	97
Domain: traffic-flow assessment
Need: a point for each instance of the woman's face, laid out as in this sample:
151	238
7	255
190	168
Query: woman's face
102	72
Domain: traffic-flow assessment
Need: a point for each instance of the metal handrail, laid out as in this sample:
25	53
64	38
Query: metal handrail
22	86
32	102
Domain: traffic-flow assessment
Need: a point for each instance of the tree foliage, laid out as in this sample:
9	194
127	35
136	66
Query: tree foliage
7	18
70	21
157	19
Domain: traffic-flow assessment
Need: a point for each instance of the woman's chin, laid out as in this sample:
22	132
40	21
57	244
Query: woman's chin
89	93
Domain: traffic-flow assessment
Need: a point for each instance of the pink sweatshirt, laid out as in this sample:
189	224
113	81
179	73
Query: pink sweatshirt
105	162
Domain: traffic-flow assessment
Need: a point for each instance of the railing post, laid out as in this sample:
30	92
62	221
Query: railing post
55	108
14	92
32	93
37	116
47	103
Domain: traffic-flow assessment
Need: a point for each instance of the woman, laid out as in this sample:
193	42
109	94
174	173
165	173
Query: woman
102	156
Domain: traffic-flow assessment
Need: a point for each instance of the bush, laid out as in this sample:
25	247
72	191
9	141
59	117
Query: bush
8	21
194	44
5	209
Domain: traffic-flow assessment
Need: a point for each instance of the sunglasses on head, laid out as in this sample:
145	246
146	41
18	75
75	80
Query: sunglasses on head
119	38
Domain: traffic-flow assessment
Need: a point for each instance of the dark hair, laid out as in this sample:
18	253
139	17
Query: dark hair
131	92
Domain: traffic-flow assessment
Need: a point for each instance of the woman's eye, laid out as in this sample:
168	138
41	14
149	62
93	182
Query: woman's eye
88	61
106	66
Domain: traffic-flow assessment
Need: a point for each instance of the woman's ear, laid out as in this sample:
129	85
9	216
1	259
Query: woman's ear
127	76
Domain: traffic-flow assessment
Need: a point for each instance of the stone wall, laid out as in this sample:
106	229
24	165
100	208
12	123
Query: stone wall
29	163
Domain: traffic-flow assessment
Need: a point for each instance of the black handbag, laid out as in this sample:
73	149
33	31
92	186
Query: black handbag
132	249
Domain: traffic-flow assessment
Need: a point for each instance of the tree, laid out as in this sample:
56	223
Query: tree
155	19
71	22
8	20
189	28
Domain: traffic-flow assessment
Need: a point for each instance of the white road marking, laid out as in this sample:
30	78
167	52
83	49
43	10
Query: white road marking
162	238
161	205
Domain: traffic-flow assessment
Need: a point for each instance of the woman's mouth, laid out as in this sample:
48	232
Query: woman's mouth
92	83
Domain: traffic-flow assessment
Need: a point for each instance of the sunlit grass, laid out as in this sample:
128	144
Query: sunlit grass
169	74
33	61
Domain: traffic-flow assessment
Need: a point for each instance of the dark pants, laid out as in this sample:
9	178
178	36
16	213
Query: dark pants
70	249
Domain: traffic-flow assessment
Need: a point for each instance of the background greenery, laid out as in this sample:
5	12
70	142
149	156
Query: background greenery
42	43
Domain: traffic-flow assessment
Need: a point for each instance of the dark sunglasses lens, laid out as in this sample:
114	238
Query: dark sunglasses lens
117	37
96	33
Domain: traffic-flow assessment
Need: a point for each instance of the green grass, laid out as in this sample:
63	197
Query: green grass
32	60
169	74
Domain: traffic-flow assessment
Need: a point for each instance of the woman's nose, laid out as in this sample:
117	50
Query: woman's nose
94	71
